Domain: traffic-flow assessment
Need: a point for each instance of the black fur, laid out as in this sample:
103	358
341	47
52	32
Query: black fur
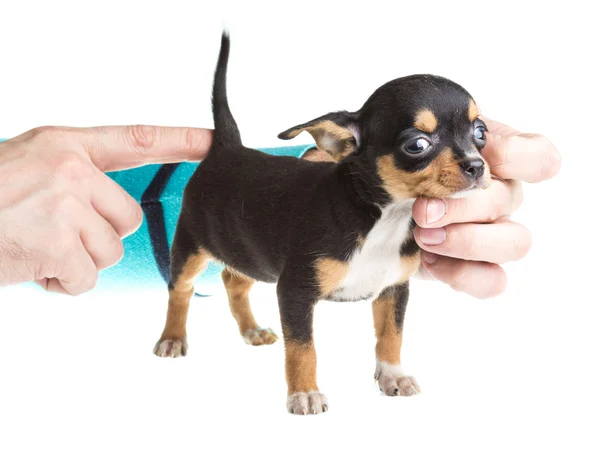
401	294
410	247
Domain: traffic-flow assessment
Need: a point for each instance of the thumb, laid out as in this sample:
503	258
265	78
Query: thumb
123	147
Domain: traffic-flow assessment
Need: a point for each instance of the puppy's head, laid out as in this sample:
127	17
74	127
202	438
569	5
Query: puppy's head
415	136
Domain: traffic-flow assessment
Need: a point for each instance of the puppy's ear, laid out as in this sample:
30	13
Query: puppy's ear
337	133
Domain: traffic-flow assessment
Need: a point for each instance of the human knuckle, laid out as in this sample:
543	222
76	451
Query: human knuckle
61	247
43	267
69	243
45	132
71	167
62	205
141	137
192	138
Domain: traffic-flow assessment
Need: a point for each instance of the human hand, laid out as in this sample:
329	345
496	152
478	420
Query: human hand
464	241
61	217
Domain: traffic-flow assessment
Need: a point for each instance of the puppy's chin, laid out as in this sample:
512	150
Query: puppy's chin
482	183
464	193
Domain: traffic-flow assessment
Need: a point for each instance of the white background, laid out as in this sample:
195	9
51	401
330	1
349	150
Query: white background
513	376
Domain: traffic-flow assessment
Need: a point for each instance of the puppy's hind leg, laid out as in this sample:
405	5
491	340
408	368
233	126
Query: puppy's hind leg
187	262
238	286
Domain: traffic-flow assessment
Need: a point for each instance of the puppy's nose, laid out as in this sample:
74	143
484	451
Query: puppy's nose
473	168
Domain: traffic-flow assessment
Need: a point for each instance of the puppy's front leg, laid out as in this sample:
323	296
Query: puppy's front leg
296	305
388	316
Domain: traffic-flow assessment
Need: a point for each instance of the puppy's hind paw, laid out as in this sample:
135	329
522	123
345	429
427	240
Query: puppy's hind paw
260	336
302	403
171	348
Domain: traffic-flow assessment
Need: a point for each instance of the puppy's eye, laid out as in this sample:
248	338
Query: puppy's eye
417	146
479	133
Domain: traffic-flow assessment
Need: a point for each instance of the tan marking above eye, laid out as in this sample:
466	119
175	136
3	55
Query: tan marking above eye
473	111
426	121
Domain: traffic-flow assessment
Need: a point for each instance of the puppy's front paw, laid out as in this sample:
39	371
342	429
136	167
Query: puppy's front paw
171	348
302	403
393	382
260	336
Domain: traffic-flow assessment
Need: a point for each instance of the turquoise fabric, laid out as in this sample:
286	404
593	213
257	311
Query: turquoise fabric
138	267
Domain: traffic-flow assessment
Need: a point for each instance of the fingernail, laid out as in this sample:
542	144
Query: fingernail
436	209
434	236
429	258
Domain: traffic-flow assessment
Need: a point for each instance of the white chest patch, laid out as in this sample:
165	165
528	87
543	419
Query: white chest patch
376	265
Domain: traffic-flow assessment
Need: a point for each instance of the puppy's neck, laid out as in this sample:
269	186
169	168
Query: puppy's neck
361	184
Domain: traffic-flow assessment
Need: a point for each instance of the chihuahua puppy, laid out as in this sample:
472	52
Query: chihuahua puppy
339	231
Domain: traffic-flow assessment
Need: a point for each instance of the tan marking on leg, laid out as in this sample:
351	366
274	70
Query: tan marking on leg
426	121
388	371
238	288
389	337
300	367
173	339
441	178
473	111
330	273
180	295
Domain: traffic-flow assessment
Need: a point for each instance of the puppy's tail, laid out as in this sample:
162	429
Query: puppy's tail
226	130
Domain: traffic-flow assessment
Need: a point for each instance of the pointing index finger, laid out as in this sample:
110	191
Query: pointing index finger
123	147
